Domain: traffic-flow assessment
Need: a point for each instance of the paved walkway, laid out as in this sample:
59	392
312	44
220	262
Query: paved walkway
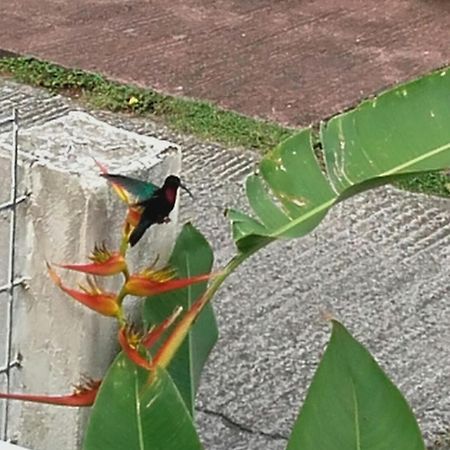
287	60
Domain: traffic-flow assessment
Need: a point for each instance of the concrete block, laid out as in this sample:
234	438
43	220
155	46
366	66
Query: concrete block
69	210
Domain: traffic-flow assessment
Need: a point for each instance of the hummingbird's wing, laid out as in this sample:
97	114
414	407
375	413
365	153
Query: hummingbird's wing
141	190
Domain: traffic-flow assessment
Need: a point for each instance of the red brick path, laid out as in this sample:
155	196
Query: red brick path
293	61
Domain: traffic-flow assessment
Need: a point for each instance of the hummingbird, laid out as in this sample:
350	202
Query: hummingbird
156	202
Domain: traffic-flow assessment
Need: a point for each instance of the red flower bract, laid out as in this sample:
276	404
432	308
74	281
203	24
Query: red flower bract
91	296
83	395
130	341
134	345
104	263
151	283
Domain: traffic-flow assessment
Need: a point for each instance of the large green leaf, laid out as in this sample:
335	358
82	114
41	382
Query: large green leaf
131	413
404	130
351	404
192	255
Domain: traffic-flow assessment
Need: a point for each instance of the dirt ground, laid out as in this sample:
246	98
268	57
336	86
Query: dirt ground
291	61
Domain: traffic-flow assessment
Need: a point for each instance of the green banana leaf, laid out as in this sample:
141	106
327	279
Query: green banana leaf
131	413
402	131
351	404
192	255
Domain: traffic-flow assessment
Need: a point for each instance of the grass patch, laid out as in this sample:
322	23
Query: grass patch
436	183
199	118
189	116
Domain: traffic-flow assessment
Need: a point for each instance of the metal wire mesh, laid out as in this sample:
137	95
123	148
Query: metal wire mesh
12	280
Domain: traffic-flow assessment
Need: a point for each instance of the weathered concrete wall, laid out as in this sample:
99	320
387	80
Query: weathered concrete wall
70	209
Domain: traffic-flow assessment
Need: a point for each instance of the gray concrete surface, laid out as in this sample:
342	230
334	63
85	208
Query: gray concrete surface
70	209
380	262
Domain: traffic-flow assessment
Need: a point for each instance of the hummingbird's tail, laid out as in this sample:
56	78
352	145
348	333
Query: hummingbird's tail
137	233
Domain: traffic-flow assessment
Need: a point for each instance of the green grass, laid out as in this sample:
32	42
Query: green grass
199	118
436	183
196	117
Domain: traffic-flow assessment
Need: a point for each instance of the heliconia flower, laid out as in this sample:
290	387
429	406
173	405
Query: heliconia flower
157	331
91	296
133	344
120	191
153	282
83	395
103	263
130	341
133	215
134	212
168	349
161	275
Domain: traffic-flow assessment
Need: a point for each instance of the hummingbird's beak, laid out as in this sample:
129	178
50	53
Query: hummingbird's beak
182	186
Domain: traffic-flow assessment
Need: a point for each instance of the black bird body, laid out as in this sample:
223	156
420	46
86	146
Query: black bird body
156	202
155	210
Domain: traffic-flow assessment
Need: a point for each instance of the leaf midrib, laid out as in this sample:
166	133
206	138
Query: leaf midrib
420	158
138	411
356	418
328	204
